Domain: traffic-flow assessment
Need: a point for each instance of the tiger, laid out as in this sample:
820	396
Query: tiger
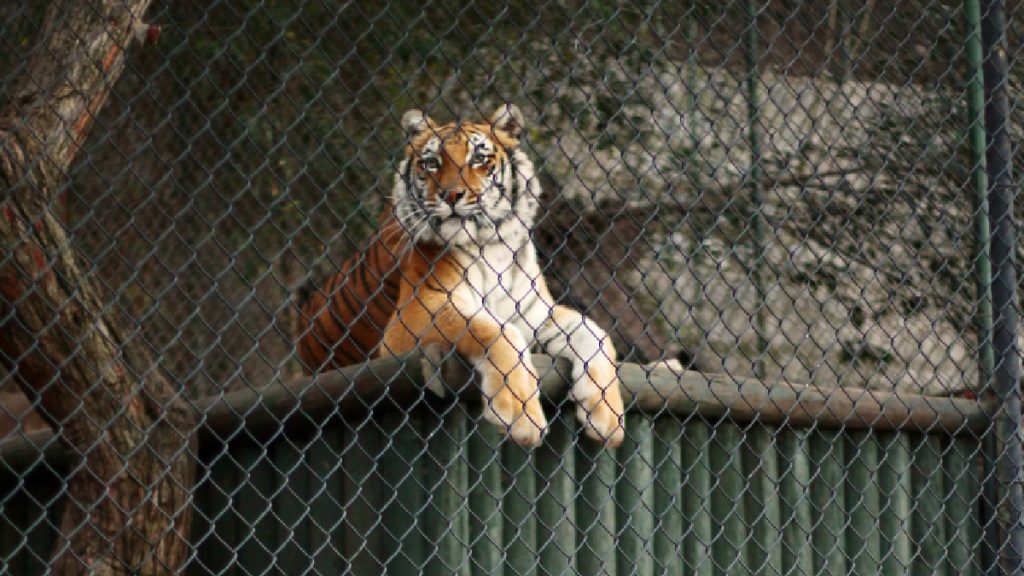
452	265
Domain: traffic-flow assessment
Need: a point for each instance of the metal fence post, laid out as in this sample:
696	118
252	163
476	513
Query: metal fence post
979	181
982	265
751	50
1006	375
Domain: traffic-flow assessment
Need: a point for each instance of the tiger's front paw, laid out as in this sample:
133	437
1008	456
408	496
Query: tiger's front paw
601	411
516	409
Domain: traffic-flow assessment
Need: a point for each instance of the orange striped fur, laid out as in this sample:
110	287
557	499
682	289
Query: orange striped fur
452	265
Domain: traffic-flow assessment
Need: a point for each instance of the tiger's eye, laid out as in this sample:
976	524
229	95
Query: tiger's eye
479	159
430	164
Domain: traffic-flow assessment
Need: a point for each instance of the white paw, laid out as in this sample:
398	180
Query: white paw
600	412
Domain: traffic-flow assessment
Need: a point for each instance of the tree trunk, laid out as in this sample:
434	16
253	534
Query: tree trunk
128	501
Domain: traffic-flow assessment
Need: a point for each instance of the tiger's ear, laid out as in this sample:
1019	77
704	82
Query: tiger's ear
509	119
415	121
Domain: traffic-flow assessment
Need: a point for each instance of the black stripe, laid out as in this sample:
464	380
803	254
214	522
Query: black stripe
527	303
328	315
348	356
514	197
360	275
304	354
378	258
515	179
436	286
347	298
332	284
408	175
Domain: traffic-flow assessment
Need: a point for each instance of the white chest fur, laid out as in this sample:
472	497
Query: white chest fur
505	283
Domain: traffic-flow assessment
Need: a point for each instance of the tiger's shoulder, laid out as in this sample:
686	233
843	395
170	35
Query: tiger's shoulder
341	319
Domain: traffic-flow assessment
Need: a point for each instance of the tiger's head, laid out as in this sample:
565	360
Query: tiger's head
465	183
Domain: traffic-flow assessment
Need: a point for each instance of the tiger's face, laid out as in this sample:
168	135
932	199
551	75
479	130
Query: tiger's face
463	183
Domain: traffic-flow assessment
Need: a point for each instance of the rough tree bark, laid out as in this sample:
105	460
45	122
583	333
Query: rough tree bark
128	508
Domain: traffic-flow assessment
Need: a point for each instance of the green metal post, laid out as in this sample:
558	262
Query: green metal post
634	494
258	531
595	509
291	507
983	262
404	548
218	553
485	501
979	182
730	544
754	120
698	538
827	497
863	542
761	468
447	477
1006	376
520	526
895	503
693	101
927	527
962	485
668	509
364	496
327	514
796	518
556	514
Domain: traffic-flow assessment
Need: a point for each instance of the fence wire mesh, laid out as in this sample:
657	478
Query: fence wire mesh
771	209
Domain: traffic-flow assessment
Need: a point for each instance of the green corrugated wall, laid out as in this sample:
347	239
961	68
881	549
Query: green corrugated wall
396	494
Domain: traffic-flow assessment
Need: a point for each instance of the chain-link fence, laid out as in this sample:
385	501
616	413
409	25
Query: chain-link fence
774	216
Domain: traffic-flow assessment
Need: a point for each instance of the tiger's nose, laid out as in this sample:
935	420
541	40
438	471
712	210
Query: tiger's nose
452	197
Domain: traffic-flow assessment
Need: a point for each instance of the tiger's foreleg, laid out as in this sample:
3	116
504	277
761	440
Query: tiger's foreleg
569	334
499	352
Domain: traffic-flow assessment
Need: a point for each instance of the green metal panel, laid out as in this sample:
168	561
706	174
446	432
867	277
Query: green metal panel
12	538
291	507
485	501
962	486
595	509
928	528
634	495
762	508
556	491
202	528
326	531
519	484
795	504
447	478
217	550
863	542
751	49
668	508
39	520
364	446
727	494
828	502
448	497
696	494
979	181
401	472
252	502
895	503
19	514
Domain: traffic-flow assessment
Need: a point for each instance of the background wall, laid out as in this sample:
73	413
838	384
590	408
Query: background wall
251	146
